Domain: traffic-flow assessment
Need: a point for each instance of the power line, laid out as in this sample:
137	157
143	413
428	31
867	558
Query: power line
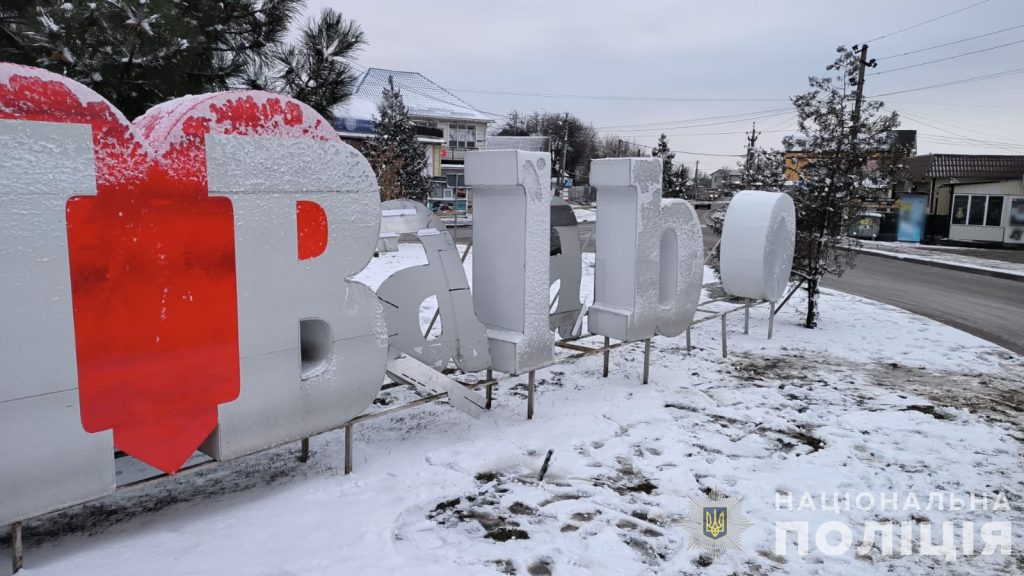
947	58
929	21
956	104
719	123
688	120
724	133
954	140
967	138
924	119
953	82
951	43
708	154
785	122
608	97
949	141
639	145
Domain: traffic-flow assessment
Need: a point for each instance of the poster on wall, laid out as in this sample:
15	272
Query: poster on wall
911	224
1015	227
428	168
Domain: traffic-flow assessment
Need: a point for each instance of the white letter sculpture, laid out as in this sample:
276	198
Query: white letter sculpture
566	268
758	238
313	344
650	258
49	461
511	255
462	336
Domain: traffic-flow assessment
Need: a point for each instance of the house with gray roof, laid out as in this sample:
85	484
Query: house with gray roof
448	126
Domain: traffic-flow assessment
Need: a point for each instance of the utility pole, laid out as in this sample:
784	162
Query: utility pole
859	95
696	174
751	142
565	147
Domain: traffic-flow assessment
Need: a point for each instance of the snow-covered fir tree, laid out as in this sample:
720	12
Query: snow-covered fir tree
670	187
399	161
837	145
763	169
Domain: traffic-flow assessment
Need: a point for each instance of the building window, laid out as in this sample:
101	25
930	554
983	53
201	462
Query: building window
425	123
977	210
456	180
976	213
960	209
461	136
994	214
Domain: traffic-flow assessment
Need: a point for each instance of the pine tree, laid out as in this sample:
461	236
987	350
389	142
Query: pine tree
682	176
399	161
670	187
139	53
839	144
316	69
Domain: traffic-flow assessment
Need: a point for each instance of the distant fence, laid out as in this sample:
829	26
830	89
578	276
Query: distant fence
582	195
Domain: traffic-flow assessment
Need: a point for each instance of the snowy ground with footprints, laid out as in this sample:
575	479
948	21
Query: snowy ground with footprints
877	400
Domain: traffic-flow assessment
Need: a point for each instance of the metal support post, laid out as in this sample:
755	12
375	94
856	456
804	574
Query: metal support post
771	318
490	389
17	553
348	449
688	347
607	356
647	359
304	455
746	317
725	345
531	391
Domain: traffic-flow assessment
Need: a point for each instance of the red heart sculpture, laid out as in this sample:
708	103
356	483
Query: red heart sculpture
152	257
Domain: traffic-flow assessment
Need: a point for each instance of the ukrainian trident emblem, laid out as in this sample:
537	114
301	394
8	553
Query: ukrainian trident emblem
716	521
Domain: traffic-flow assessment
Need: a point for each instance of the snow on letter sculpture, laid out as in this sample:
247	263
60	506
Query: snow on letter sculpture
758	238
650	260
511	253
47	460
462	336
312	344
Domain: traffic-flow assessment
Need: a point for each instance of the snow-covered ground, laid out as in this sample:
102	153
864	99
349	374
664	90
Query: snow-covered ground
585	214
876	400
946	254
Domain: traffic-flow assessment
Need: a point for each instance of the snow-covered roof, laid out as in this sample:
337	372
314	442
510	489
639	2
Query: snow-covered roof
423	97
358	108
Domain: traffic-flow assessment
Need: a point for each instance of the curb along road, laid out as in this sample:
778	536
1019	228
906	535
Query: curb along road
1005	274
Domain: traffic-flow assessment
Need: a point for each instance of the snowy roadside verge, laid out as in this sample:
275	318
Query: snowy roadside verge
875	400
974	265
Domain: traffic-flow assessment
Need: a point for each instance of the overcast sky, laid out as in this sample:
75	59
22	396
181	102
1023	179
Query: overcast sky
757	52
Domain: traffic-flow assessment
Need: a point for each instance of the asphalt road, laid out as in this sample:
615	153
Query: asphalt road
987	307
990	308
